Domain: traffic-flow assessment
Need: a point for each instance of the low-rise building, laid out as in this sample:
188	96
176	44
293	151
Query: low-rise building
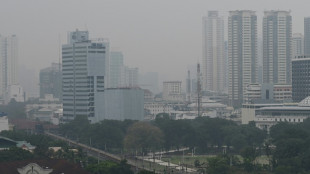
4	122
172	91
267	93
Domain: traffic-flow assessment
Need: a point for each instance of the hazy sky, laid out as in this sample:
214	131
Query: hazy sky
154	35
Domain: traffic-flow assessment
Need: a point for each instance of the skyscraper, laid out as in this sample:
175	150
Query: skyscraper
50	81
116	65
130	77
297	45
242	53
277	38
307	36
9	63
300	78
213	62
84	65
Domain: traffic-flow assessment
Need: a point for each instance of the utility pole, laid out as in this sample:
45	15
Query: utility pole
198	90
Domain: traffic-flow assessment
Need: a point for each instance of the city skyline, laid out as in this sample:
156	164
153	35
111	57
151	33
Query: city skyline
146	40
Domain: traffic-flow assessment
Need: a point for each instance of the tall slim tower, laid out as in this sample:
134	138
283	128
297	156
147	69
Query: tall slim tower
116	65
307	36
242	53
9	63
297	45
277	38
213	62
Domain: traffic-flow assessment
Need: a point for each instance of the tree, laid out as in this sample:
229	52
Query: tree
143	136
217	165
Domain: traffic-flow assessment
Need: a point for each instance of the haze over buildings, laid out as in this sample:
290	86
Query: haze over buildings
213	62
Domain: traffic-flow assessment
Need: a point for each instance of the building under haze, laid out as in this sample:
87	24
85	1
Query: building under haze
124	103
300	78
50	81
84	63
130	77
9	63
116	65
277	37
213	60
307	36
297	45
172	91
242	53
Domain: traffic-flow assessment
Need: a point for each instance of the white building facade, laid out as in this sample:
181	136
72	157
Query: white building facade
84	72
172	91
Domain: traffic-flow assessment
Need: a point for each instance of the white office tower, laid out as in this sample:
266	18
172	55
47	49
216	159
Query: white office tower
84	65
9	63
277	38
213	60
242	53
297	45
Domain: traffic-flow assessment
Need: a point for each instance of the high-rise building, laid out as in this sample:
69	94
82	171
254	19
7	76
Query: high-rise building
130	77
307	36
213	60
50	81
9	63
242	53
116	65
277	38
84	65
300	78
297	45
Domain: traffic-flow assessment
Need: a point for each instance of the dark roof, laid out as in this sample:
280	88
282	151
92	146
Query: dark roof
58	166
24	124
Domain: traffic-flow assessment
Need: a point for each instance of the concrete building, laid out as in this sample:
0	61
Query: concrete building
154	107
4	122
297	45
266	117
300	78
14	92
84	76
116	65
9	63
130	77
242	53
124	103
213	60
50	81
172	91
268	93
307	36
248	111
277	41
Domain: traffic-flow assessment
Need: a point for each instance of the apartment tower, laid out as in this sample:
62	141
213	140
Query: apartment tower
277	49
242	53
213	62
